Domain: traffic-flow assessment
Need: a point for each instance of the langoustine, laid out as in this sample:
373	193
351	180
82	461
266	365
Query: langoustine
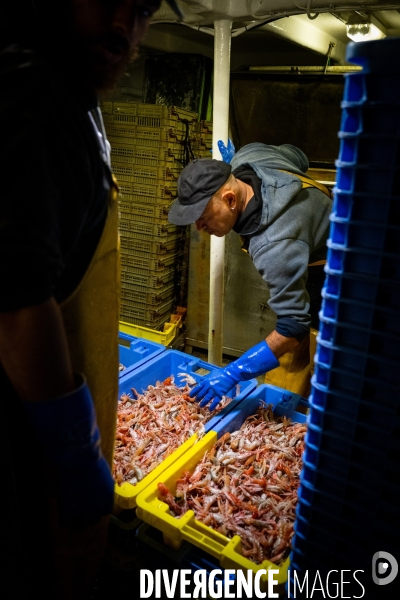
150	426
247	484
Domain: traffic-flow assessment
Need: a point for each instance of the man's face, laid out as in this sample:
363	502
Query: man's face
106	34
217	218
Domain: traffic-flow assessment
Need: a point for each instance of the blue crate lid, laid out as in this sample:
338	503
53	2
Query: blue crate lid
135	352
179	364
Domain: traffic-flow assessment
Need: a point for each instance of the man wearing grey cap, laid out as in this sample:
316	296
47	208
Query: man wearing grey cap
283	219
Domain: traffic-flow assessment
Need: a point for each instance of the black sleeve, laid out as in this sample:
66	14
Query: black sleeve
48	213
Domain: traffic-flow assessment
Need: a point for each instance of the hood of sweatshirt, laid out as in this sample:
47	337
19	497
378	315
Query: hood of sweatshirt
278	188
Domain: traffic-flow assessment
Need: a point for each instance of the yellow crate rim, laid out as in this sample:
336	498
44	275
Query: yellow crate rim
155	512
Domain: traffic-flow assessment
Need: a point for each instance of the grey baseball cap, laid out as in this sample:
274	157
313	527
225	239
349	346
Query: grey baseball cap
197	183
175	8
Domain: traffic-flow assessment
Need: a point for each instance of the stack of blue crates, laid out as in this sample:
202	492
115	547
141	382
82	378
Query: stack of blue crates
349	496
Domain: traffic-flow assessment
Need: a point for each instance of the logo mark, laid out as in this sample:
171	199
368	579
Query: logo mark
384	568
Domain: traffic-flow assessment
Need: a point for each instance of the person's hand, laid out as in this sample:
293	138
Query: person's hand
227	152
216	385
259	359
67	430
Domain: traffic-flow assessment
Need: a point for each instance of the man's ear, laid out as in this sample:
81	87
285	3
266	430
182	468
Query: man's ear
230	198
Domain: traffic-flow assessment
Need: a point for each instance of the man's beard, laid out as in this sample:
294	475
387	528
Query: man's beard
106	77
83	67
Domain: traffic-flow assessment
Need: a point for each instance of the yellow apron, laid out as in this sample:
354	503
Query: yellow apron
91	319
296	367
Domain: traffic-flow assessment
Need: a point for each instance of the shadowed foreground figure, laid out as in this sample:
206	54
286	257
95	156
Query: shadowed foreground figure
59	302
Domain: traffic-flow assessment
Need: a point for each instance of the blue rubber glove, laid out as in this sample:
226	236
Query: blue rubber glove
256	361
227	152
67	430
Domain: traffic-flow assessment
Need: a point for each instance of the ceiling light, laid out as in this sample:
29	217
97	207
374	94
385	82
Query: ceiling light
361	29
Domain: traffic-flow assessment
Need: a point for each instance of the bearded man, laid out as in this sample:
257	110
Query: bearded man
59	303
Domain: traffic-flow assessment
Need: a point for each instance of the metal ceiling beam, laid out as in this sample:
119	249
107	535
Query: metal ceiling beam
207	11
300	30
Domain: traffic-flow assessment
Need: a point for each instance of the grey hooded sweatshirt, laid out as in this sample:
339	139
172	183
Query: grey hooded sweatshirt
292	233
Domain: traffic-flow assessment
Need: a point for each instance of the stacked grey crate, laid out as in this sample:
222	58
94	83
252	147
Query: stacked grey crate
148	148
202	145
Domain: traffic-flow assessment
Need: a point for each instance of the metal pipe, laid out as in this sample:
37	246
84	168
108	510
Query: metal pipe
222	54
293	69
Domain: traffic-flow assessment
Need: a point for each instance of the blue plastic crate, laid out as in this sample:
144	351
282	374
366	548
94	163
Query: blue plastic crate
226	551
176	363
316	507
135	352
351	488
381	57
179	365
360	88
367	177
285	403
353	337
355	91
346	519
355	313
370	149
360	261
362	435
376	208
344	384
306	508
348	485
360	454
382	118
359	363
340	528
317	553
122	530
361	289
362	234
324	399
186	557
366	207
